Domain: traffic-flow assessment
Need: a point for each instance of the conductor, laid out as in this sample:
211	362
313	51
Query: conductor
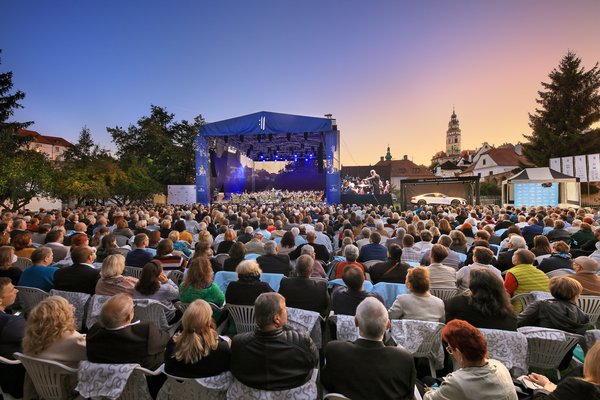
375	180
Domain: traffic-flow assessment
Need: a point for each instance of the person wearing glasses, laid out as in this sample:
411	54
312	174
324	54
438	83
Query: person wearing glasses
478	377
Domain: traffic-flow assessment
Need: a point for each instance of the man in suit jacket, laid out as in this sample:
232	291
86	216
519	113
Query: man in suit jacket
272	262
321	252
515	243
140	256
373	250
391	372
531	230
303	292
115	339
81	276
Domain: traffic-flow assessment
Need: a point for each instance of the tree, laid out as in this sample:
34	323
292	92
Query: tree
569	106
164	146
85	151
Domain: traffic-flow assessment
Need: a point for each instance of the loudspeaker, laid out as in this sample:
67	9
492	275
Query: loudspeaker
213	163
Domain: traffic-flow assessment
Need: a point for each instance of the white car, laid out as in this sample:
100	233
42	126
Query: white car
437	198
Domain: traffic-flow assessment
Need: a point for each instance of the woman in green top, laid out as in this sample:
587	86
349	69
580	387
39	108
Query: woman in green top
198	283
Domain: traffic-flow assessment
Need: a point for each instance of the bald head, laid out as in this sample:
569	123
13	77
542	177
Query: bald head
117	311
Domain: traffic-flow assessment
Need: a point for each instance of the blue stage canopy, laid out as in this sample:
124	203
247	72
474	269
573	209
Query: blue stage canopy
265	122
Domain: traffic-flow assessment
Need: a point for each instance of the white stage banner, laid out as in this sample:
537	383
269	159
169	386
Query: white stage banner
580	168
567	166
181	194
594	167
555	164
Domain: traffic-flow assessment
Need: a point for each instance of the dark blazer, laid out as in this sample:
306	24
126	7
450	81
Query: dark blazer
391	373
321	252
395	275
231	264
245	293
138	258
505	260
531	231
372	251
460	307
554	262
76	278
275	264
214	363
305	293
141	343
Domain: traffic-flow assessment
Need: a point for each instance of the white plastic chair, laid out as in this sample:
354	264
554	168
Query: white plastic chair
421	339
6	361
243	317
591	306
547	347
508	347
29	297
136	272
154	311
345	327
307	391
22	263
52	380
210	388
220	258
175	275
94	308
524	298
79	301
444	293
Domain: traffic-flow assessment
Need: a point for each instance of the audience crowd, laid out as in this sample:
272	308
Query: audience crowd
328	258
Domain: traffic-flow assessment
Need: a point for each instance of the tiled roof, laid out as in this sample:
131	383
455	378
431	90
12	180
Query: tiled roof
44	139
407	168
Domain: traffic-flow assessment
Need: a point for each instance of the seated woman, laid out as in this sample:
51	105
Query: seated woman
459	241
392	270
541	246
180	245
23	244
236	256
198	283
197	351
155	285
108	246
111	280
229	238
571	388
287	244
7	258
559	259
51	333
478	378
169	261
418	303
485	305
248	287
204	249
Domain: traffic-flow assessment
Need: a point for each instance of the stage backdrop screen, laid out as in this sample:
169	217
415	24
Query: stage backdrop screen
536	194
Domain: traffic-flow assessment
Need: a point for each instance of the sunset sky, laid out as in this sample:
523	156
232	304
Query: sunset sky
389	71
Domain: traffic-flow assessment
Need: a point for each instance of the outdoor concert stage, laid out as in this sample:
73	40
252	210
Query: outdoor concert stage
265	151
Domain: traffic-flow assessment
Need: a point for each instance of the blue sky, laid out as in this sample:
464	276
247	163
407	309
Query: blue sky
389	71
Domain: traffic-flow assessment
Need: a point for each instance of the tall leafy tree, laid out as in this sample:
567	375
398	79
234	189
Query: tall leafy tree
569	106
163	145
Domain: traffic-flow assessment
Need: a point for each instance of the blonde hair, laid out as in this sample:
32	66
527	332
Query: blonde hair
112	266
591	365
198	336
49	321
174	236
248	267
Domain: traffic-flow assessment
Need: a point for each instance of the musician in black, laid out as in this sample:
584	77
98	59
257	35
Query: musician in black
375	180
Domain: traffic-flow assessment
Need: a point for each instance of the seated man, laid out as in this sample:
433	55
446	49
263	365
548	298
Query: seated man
585	273
391	372
482	258
39	275
54	240
345	299
272	262
409	253
115	339
374	250
524	277
140	256
12	330
303	292
81	276
273	357
256	245
321	252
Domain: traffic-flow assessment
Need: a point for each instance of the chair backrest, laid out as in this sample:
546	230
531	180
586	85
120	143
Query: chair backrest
413	263
538	259
111	381
243	317
309	321
251	256
274	280
345	327
147	310
444	293
94	308
22	263
369	264
367	285
335	396
121	240
176	276
50	378
389	291
547	347
132	271
510	348
420	338
79	301
524	298
29	297
211	388
223	278
559	272
304	392
591	306
220	258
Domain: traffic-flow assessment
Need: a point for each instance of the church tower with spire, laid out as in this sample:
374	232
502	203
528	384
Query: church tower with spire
453	136
388	155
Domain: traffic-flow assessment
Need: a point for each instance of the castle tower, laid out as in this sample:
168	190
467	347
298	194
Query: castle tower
453	136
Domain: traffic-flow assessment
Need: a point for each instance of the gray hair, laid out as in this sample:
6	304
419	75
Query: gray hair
266	306
517	242
295	231
248	230
270	247
351	252
319	227
304	265
308	250
372	319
